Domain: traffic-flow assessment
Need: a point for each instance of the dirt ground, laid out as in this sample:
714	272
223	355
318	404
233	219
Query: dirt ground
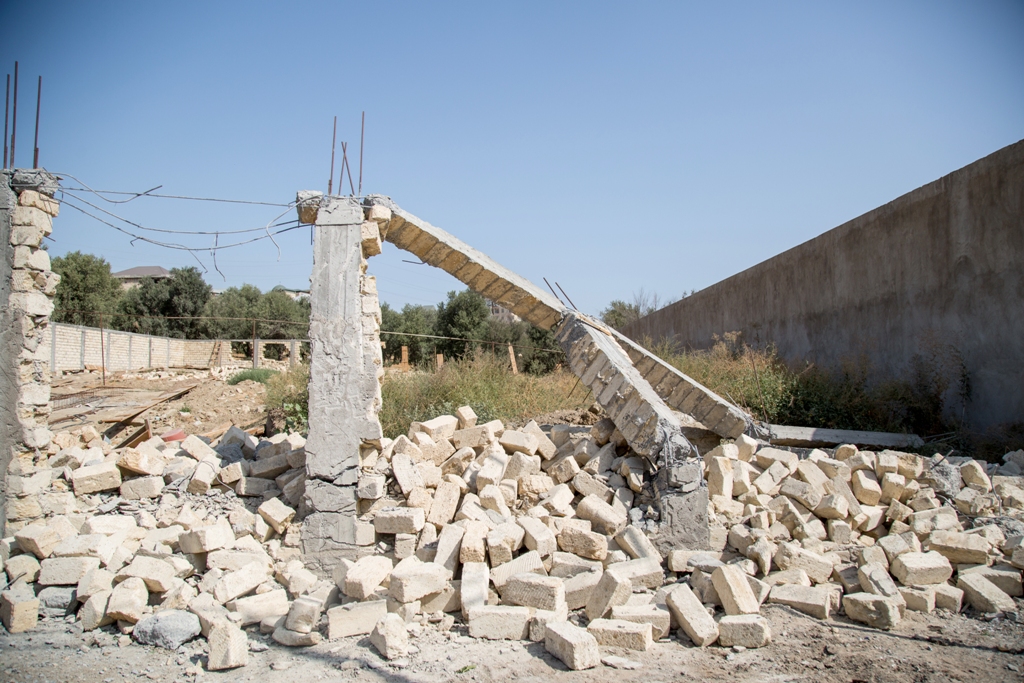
924	648
210	404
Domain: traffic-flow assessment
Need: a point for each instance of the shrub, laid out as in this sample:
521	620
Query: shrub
289	392
261	375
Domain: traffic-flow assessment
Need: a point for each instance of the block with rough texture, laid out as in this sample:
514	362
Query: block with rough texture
527	562
142	488
792	556
38	539
363	578
207	538
948	597
816	601
19	610
303	615
628	635
983	595
240	582
128	600
613	589
499	622
657	616
276	514
604	518
919	599
734	590
96	478
355	618
573	645
691	616
229	647
535	590
921	569
66	571
399	520
586	544
390	638
635	542
579	587
538	536
474	587
744	630
256	608
159	576
294	638
960	548
877	611
411	580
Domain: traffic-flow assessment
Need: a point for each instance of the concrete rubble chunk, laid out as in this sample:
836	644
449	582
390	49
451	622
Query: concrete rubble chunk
168	629
38	539
96	478
290	638
256	608
240	582
689	613
574	646
65	571
657	616
411	580
304	615
399	520
612	589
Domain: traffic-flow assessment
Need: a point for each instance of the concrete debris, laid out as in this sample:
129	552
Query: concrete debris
528	534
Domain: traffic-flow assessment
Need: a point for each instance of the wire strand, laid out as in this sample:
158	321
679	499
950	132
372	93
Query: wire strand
150	193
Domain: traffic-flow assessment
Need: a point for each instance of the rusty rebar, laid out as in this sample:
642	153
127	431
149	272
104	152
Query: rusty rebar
7	113
334	146
35	146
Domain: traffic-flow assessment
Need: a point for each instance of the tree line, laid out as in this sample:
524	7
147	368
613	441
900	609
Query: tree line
181	306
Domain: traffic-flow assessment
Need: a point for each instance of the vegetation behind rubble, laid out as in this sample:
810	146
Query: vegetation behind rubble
261	375
762	383
288	392
484	383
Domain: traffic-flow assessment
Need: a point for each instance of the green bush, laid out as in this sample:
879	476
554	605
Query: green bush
261	375
289	392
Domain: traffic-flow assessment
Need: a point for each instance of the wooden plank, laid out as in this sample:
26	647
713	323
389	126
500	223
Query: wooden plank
811	437
140	435
135	411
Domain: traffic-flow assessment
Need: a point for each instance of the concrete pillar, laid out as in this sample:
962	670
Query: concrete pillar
27	287
344	386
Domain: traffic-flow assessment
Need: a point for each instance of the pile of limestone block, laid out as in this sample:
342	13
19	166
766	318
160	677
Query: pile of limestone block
526	534
164	541
870	533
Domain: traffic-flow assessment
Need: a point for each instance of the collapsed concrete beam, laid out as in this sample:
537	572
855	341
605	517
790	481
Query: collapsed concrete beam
685	394
473	268
649	426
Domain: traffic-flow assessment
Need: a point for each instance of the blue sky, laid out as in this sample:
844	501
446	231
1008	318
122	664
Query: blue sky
608	146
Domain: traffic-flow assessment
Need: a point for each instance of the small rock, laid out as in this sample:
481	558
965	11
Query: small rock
620	663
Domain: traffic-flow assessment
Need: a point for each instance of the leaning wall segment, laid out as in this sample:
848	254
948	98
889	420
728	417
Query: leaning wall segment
27	287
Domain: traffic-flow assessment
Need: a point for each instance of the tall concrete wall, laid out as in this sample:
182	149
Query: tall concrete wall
10	347
939	270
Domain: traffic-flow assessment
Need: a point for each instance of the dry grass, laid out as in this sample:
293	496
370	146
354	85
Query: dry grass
484	383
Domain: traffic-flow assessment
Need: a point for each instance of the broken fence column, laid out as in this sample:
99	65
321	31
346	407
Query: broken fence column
649	426
344	387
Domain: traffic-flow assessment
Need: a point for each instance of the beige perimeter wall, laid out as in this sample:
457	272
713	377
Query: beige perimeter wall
939	271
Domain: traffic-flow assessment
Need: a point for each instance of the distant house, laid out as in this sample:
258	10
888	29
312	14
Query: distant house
133	276
295	294
502	313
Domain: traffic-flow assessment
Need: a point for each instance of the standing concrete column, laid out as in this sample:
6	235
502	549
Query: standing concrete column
344	386
27	287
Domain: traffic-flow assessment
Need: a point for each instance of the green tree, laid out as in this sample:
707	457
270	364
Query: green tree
167	307
86	287
465	316
231	312
411	320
